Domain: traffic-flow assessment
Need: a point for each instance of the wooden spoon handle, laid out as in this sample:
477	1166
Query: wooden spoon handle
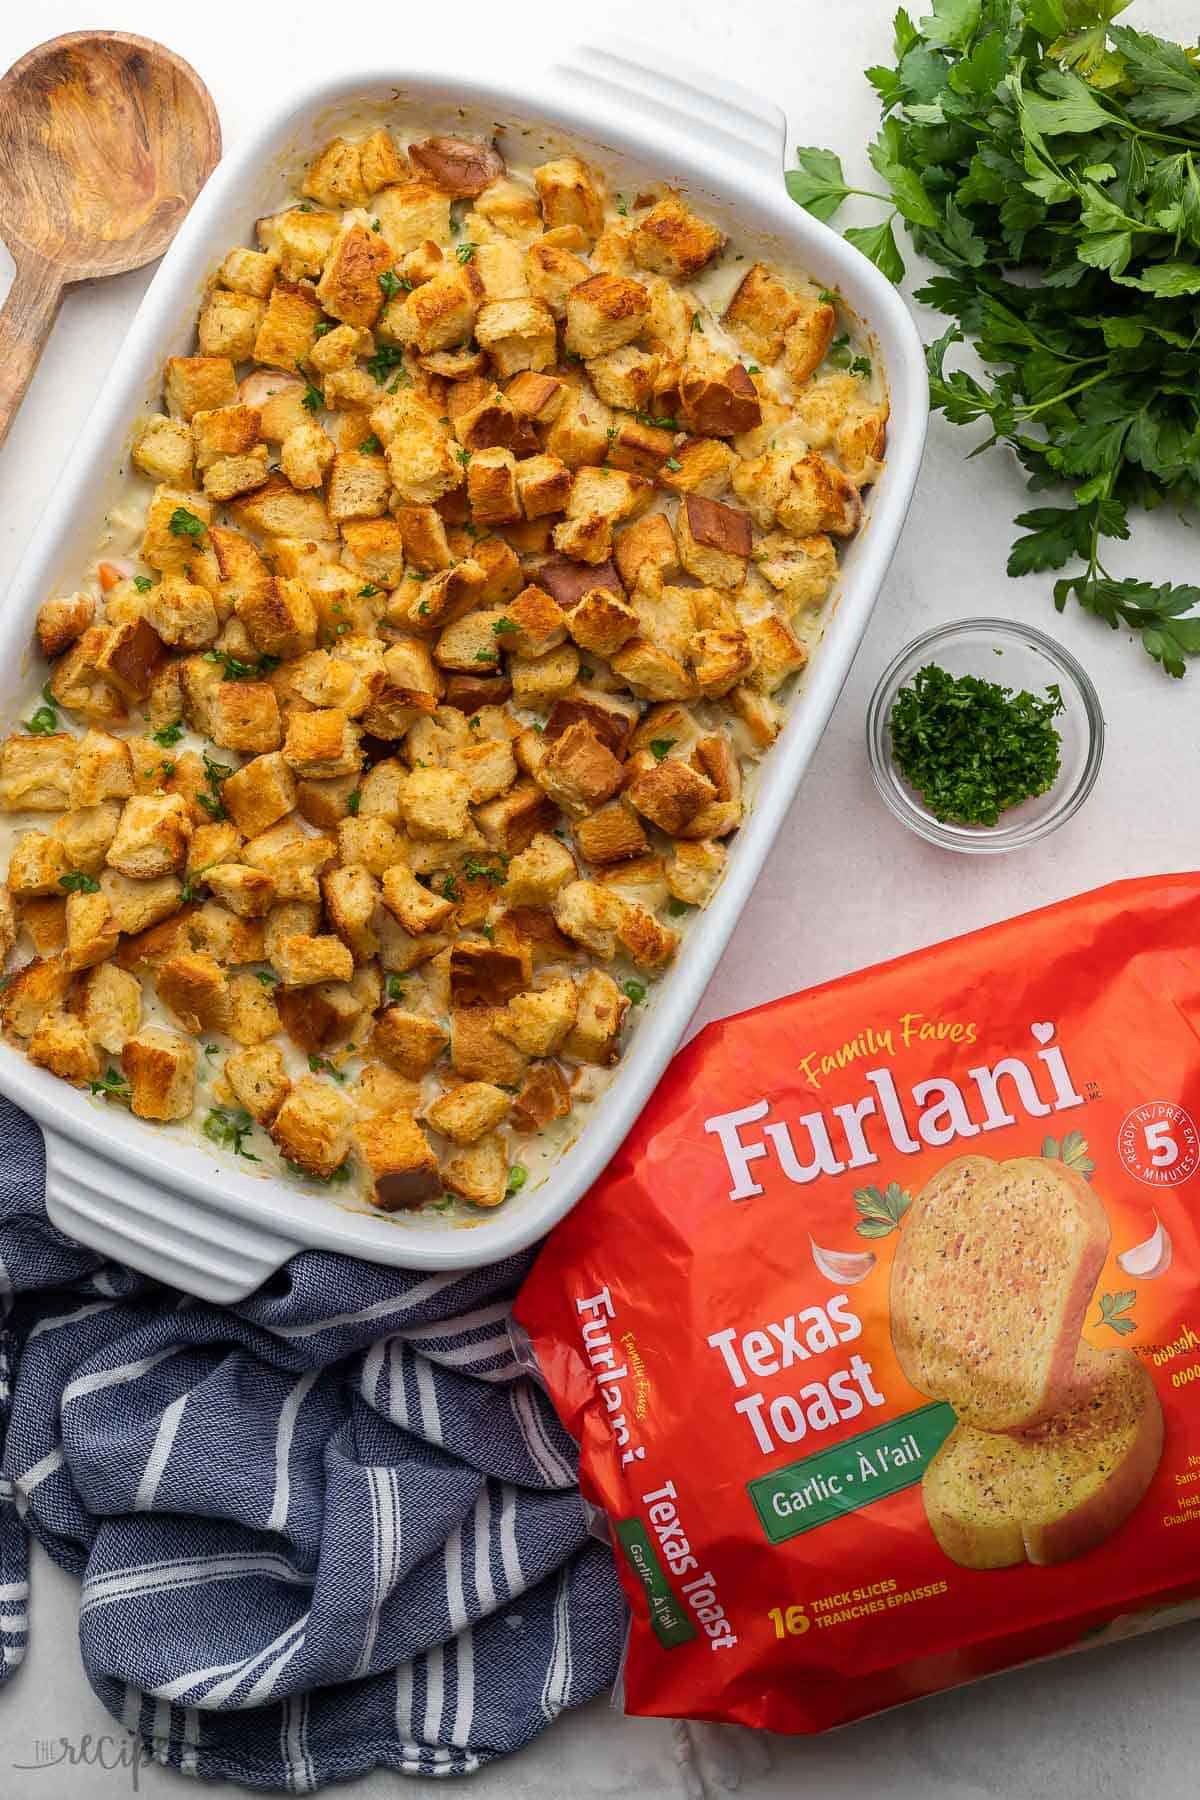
25	320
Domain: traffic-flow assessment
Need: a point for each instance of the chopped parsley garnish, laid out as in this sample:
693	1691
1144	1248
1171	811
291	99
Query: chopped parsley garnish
450	888
971	748
194	876
353	802
697	322
464	457
392	284
476	870
268	977
237	670
661	746
340	1174
75	881
465	251
166	735
504	626
43	722
486	656
185	524
326	325
654	423
375	225
395	988
634	992
312	400
142	583
423	609
211	1050
673	463
518	1175
622	206
321	1065
369	592
214	773
111	1086
826	298
385	359
861	366
371	445
677	908
230	1130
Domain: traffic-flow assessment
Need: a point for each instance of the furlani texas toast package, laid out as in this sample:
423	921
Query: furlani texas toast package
881	1334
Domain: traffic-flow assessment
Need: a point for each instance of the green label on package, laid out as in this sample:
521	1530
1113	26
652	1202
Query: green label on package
852	1475
671	1623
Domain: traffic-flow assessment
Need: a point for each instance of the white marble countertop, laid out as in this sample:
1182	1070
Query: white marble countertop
845	886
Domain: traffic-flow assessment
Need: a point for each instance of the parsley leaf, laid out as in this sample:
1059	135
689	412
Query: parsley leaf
230	1130
1047	161
167	735
142	583
75	881
183	523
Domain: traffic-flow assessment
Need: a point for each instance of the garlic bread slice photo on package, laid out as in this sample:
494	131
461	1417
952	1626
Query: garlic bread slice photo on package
880	1335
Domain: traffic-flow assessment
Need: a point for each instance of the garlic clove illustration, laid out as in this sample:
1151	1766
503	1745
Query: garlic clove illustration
1150	1259
845	1268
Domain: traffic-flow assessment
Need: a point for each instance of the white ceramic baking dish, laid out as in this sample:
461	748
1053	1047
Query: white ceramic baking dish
157	1197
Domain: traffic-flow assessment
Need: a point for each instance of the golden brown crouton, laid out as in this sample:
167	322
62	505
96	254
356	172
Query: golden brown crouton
416	907
672	240
258	794
705	467
160	1067
234	475
248	272
126	657
349	287
76	684
151	838
510	208
600	1014
513	820
37	865
465	1113
535	875
536	397
487	974
517	335
195	384
245	716
29	991
36	771
108	1003
182	613
719	660
478	1052
801	570
578	771
259	1080
714	541
537	680
603	313
777	653
351	900
383	1090
571	194
291	857
305	456
277	510
648	545
248	892
412	212
760	312
435	804
60	622
538	1020
137	904
60	1044
719	400
170	536
819	498
626	377
43	916
670	794
194	987
288	329
91	930
402	1166
162	449
478	1172
806	340
322	743
694	869
280	619
602	623
612	834
407	1041
311	1129
299	961
228	324
652	673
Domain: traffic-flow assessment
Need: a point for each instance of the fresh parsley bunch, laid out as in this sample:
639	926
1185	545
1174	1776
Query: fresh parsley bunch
1048	160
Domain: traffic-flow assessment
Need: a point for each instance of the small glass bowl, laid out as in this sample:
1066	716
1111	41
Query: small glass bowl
1016	656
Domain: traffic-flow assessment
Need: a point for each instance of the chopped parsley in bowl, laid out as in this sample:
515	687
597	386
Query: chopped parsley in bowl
984	735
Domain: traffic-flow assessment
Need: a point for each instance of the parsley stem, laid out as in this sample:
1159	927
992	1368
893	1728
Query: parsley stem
1027	412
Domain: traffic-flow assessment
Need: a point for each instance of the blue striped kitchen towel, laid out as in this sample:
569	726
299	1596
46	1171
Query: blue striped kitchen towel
331	1527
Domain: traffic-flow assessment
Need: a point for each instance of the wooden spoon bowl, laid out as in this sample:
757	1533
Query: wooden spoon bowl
105	140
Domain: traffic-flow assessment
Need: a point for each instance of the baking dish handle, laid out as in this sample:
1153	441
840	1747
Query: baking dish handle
189	1242
683	101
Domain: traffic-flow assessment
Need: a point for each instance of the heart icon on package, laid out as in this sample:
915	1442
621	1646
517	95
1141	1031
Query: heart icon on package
1043	1033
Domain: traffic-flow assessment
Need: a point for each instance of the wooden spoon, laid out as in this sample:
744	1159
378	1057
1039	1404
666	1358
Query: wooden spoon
105	141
